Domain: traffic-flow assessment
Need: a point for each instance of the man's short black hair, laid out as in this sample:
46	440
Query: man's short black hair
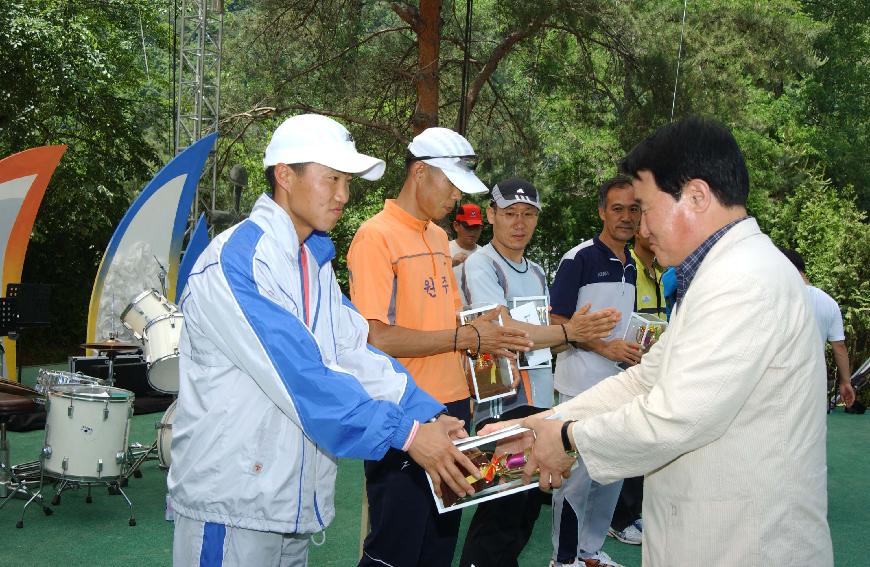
613	183
692	148
795	259
270	173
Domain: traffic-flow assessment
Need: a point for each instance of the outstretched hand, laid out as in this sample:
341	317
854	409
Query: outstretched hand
433	450
498	426
619	350
548	456
584	326
499	340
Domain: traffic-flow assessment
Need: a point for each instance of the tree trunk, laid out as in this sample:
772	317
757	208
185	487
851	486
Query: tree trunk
429	43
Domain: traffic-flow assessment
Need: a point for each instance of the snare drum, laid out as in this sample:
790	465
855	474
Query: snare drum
146	307
48	379
164	436
86	431
161	352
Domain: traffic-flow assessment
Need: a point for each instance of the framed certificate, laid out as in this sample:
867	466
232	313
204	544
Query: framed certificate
535	310
500	458
490	375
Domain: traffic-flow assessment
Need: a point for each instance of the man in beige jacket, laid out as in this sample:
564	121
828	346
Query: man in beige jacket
722	414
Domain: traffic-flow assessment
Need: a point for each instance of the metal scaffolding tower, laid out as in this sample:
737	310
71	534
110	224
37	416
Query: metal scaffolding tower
199	30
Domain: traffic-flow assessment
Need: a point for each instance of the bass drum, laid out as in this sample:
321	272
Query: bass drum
164	436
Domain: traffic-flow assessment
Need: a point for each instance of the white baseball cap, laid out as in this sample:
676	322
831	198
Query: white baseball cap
315	138
451	153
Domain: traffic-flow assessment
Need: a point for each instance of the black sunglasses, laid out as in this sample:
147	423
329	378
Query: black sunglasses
469	161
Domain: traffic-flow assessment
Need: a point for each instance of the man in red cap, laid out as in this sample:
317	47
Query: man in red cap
467	224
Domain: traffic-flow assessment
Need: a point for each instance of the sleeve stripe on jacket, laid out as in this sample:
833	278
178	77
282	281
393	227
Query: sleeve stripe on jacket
333	408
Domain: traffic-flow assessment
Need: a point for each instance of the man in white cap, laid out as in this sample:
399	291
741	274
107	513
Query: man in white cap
277	380
402	282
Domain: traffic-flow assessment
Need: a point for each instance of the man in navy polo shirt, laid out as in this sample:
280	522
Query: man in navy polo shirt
602	272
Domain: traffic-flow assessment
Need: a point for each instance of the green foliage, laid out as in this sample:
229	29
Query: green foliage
584	82
73	72
837	94
825	226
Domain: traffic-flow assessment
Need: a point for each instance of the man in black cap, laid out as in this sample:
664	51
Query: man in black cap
496	274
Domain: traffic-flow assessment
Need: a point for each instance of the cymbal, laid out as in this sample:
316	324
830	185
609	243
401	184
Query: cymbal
111	344
14	388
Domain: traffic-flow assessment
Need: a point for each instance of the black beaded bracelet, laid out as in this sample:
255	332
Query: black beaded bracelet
566	442
565	332
478	342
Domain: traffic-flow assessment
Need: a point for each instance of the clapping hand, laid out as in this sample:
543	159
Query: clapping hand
499	340
584	326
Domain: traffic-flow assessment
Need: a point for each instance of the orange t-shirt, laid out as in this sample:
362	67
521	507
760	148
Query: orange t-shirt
401	274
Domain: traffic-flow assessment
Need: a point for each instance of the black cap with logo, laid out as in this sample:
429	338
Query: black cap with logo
515	190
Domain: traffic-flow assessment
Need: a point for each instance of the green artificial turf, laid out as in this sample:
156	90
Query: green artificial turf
98	534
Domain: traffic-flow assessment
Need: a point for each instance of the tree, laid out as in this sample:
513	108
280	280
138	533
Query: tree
837	94
824	224
74	73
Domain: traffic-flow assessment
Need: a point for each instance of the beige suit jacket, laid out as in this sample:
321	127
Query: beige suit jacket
725	416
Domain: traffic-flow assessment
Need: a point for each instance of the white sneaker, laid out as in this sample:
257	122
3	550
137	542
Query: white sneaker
600	559
630	535
554	563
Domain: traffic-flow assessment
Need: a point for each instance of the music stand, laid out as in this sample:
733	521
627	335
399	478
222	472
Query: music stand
34	303
8	326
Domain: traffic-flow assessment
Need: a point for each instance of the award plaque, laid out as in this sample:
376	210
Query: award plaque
645	329
489	375
500	458
534	310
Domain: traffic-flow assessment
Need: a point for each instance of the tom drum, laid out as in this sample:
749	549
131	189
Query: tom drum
86	431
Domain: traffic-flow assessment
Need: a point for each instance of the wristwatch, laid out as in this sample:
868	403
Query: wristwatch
566	441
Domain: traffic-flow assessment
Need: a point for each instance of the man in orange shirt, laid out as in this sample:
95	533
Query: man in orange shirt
402	282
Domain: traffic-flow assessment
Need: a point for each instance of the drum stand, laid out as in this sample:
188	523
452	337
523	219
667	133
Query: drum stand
113	484
136	456
18	480
24	477
21	485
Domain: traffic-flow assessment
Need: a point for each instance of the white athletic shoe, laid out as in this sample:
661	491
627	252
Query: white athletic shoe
630	535
600	559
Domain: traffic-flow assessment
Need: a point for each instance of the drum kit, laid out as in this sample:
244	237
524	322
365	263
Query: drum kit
88	420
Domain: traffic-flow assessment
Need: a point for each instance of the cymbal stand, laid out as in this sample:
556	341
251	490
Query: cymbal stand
110	366
161	276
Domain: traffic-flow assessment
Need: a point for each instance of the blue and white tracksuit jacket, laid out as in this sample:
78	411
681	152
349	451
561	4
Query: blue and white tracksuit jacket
267	402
